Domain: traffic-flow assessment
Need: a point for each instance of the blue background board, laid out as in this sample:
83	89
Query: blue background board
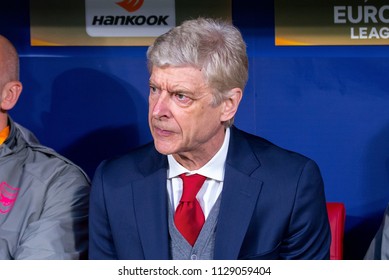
327	102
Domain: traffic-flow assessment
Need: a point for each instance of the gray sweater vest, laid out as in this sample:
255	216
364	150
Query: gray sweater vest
180	249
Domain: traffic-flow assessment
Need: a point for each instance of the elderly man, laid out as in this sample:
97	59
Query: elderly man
203	189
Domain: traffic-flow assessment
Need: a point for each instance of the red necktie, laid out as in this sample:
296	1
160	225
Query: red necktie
189	217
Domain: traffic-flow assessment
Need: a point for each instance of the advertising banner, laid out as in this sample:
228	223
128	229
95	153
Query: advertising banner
331	22
114	22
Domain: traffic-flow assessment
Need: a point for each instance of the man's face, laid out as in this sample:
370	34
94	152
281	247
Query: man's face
182	118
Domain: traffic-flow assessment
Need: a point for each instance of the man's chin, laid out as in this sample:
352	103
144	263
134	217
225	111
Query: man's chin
163	149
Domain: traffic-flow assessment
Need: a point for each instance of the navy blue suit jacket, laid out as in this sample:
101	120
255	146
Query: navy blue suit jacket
272	205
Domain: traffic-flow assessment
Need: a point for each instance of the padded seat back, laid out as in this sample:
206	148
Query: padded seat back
337	216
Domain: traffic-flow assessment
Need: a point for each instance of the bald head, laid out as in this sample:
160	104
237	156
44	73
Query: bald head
9	62
10	86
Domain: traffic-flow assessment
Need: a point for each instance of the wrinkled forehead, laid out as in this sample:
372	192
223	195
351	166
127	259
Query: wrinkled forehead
177	75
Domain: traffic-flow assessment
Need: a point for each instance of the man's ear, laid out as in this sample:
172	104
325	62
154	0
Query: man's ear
10	95
231	104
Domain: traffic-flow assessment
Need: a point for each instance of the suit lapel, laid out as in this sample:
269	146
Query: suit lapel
150	201
239	196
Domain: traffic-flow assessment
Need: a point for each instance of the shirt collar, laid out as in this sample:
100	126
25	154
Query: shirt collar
4	134
213	169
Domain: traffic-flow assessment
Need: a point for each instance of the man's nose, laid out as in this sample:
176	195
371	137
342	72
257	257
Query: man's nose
161	106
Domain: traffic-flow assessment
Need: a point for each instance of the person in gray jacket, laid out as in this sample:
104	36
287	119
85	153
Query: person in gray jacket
44	197
379	246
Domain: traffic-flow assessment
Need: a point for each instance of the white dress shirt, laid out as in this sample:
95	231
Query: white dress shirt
213	185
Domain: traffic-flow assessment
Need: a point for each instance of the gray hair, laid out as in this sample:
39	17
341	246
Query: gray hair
214	46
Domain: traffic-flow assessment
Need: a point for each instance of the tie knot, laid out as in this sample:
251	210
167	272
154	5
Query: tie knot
192	185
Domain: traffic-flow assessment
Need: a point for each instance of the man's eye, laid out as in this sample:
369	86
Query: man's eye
180	96
153	89
182	99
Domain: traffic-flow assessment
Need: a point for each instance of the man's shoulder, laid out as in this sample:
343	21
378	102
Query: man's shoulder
140	153
265	149
143	159
45	161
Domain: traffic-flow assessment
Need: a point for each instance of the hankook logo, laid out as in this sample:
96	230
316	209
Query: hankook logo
129	18
131	5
